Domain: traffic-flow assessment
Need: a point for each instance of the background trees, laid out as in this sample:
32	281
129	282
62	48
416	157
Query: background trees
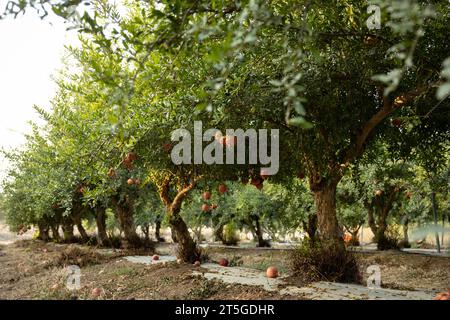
332	87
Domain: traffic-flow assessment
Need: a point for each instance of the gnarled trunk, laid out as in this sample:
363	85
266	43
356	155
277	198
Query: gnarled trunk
102	236
187	248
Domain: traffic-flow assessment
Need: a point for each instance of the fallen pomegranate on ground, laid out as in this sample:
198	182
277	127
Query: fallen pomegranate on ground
442	296
223	262
96	292
272	272
155	257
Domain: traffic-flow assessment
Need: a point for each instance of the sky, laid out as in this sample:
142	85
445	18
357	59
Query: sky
30	52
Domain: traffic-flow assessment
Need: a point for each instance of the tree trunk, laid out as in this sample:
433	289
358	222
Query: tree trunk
433	201
82	231
443	229
124	211
67	227
158	231
259	234
173	234
311	227
328	227
187	248
55	233
146	230
102	236
218	233
405	232
43	232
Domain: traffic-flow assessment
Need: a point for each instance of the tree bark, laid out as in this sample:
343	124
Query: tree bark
55	232
82	231
43	232
218	233
259	234
158	231
173	234
311	227
433	201
102	236
187	248
124	211
329	232
67	227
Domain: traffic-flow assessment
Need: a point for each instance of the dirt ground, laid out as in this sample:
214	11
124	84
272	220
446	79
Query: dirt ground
32	269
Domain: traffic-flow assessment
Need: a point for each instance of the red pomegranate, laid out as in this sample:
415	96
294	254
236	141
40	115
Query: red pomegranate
96	292
223	262
206	195
205	207
272	272
222	188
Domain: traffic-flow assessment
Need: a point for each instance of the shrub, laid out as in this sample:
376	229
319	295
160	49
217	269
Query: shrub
314	262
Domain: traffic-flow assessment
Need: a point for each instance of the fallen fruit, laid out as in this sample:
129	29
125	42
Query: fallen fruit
96	292
223	262
155	257
272	272
130	182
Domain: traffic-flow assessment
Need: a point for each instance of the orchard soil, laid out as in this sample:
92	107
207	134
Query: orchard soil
31	269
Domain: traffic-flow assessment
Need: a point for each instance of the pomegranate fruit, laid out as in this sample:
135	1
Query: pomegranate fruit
155	257
223	262
205	207
222	188
206	195
96	292
272	272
